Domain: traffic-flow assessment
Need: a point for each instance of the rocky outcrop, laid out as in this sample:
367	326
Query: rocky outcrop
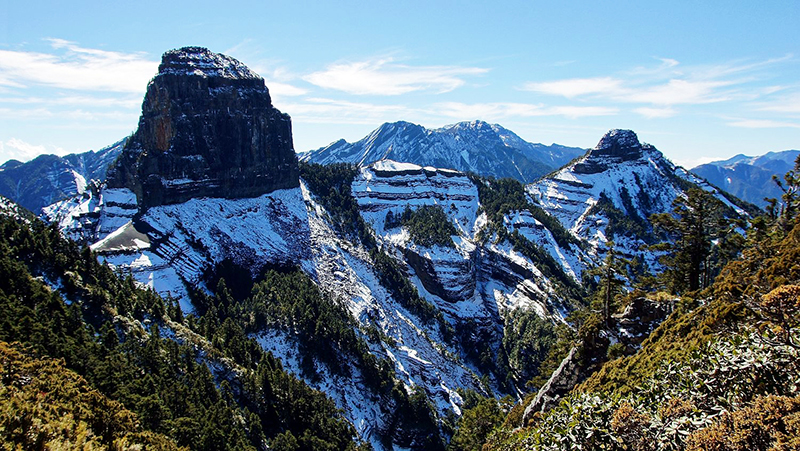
639	319
615	146
563	380
208	129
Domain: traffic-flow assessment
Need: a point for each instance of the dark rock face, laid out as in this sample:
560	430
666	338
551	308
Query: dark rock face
615	146
208	129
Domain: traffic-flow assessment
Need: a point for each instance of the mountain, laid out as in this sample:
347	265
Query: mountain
611	192
476	146
402	292
208	128
390	324
750	178
49	178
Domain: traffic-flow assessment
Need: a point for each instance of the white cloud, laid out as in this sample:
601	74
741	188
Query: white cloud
574	87
322	110
676	92
788	104
19	150
664	85
500	110
655	113
77	68
126	102
277	89
384	77
763	123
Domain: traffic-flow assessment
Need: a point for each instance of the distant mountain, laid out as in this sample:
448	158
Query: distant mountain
49	178
476	146
749	178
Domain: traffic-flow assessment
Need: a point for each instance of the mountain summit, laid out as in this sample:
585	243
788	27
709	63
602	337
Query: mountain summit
614	147
208	128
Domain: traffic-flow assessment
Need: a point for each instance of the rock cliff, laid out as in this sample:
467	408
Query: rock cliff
207	129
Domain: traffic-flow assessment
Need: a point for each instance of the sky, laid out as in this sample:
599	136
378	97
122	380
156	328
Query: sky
700	80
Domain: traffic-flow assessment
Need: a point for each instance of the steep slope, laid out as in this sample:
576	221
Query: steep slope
476	146
49	178
749	178
610	193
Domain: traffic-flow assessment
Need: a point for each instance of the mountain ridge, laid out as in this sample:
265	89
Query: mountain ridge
470	146
750	178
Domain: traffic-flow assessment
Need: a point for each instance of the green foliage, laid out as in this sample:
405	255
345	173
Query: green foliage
784	211
332	185
428	225
477	422
619	223
612	274
690	230
43	405
393	278
527	342
771	423
503	196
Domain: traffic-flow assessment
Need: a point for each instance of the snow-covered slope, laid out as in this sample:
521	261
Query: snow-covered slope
171	247
475	146
474	277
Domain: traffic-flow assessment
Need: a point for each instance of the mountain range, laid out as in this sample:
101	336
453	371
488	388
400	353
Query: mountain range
750	178
49	178
479	147
370	301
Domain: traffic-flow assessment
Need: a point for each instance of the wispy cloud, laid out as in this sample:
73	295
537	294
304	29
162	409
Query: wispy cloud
499	110
70	66
386	77
784	104
653	113
323	110
763	123
665	85
574	87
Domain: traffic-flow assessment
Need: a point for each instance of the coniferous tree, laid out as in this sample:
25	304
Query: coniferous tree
613	274
689	230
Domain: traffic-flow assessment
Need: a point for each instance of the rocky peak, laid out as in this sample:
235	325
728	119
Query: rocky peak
615	146
201	62
207	129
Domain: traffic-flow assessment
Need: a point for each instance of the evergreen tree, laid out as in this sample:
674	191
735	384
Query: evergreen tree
689	231
613	274
785	211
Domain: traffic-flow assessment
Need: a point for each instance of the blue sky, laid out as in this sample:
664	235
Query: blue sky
700	80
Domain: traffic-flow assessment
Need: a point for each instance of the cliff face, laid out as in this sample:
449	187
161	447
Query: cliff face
208	129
